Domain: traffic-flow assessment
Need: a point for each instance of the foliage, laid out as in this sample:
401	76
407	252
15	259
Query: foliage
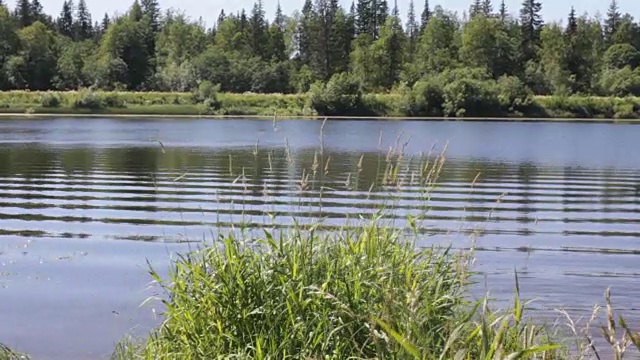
513	95
88	99
621	82
51	100
207	94
619	56
470	97
425	98
341	95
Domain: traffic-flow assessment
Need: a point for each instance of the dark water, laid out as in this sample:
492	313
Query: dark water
84	203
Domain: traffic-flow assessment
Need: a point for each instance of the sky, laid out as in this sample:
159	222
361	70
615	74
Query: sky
553	10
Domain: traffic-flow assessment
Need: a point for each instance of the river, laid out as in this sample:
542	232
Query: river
85	203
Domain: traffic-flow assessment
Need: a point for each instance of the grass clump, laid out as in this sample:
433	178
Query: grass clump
353	294
51	100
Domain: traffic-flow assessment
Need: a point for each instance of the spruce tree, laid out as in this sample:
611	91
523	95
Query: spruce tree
381	14
475	9
84	27
258	30
573	54
395	45
221	18
342	35
277	45
105	23
305	33
612	22
23	13
337	60
572	23
426	15
65	21
135	13
37	13
412	29
503	12
487	8
279	19
151	11
365	17
531	23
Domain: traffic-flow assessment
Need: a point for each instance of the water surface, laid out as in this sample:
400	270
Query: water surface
84	203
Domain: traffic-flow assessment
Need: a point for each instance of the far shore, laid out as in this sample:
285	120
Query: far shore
120	115
386	106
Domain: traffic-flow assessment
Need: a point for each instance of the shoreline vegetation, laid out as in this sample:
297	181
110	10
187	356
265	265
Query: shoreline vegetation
209	103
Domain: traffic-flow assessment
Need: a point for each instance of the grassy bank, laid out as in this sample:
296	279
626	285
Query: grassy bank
299	105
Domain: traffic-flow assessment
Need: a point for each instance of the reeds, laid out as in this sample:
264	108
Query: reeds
361	293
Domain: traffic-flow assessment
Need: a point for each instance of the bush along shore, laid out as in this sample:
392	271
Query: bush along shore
505	99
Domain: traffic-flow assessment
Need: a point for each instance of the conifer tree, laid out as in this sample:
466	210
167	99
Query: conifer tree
503	12
487	8
66	21
84	28
612	22
151	11
24	13
258	30
572	23
426	15
475	9
412	29
105	23
531	23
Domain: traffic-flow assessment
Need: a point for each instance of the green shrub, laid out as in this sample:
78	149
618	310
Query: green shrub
340	96
113	100
625	111
207	94
513	94
50	100
87	99
622	82
426	98
619	56
471	97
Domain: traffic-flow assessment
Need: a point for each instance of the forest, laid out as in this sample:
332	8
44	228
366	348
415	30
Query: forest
438	61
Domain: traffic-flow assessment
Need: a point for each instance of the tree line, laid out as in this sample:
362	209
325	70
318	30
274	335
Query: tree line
366	46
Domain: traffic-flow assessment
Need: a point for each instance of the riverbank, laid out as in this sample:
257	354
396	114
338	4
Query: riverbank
228	105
